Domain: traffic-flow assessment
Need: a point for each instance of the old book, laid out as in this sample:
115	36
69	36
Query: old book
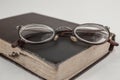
60	60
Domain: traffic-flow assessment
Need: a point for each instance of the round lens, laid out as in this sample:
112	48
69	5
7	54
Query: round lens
92	33
36	33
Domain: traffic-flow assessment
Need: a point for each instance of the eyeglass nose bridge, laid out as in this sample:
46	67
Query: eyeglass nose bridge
65	33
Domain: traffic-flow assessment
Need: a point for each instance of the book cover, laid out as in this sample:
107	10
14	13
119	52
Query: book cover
52	53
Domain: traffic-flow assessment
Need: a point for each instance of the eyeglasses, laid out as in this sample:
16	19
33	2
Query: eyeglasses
90	33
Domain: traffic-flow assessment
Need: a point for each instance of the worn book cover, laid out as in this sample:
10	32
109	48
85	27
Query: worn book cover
50	54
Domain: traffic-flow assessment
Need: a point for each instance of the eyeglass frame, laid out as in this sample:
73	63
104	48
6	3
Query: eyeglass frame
62	33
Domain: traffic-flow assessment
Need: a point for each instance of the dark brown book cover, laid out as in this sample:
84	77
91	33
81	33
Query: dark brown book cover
53	51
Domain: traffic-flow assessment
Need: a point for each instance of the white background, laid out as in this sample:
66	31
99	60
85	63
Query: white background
106	12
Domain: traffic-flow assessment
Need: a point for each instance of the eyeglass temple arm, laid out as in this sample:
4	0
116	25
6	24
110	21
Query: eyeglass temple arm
113	42
17	43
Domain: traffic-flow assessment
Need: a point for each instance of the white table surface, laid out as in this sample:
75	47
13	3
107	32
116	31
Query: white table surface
106	12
